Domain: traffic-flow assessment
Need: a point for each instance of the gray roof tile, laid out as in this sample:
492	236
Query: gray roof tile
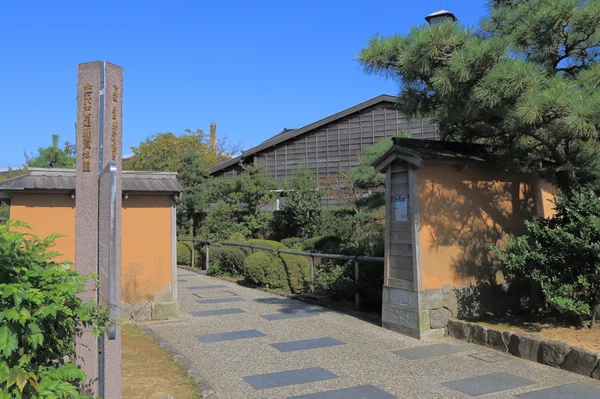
39	179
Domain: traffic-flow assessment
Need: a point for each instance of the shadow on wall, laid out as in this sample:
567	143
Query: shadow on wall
462	215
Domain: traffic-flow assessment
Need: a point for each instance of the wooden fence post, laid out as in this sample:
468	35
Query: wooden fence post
193	255
207	257
356	278
312	274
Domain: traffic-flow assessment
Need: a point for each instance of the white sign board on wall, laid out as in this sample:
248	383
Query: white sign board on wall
401	208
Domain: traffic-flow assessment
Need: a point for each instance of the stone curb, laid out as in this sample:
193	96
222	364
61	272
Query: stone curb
311	300
186	365
531	347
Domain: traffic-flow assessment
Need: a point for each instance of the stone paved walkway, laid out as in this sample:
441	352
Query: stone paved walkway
249	344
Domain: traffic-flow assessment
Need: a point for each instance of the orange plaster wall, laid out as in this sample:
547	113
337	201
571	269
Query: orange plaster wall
146	249
548	193
462	213
146	238
48	214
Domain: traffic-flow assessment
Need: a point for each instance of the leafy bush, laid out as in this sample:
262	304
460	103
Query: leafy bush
270	270
184	253
267	243
335	280
41	315
318	244
292	242
562	255
226	260
338	222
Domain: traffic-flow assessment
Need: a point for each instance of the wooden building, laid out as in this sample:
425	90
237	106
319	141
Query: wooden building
330	146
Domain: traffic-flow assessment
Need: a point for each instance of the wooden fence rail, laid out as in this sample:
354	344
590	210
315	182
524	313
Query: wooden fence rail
310	255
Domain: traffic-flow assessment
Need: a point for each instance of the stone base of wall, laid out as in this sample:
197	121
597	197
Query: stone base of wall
552	353
145	310
419	314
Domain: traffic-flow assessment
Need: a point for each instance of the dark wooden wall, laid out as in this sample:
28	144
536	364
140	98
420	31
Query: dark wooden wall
335	147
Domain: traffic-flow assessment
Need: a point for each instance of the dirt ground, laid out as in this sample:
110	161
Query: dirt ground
149	372
585	337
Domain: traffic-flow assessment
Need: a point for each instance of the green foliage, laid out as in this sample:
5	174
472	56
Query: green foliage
338	222
321	243
193	202
227	261
4	210
562	255
292	242
335	280
267	243
13	173
277	271
165	151
184	253
302	211
525	82
237	205
40	317
51	157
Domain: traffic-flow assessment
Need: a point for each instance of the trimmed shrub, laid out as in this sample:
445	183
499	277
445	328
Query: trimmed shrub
226	260
267	243
318	244
271	270
310	243
184	253
292	242
335	280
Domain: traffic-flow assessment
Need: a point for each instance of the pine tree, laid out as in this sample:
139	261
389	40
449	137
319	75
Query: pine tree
51	157
525	81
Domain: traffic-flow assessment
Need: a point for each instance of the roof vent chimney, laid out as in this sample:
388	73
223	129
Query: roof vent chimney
213	138
439	17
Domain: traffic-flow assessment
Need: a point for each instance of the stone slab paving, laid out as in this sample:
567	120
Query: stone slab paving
489	383
361	392
230	336
422	352
216	312
289	377
574	390
207	287
221	300
306	344
365	359
288	315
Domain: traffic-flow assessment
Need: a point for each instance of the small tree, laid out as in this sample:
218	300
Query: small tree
302	211
524	81
562	255
165	151
240	200
51	157
40	317
193	203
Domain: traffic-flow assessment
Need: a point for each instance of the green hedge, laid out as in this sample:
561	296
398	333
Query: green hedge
266	243
293	242
226	260
278	271
184	253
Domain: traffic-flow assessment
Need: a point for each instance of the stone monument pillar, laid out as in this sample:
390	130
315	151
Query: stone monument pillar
98	215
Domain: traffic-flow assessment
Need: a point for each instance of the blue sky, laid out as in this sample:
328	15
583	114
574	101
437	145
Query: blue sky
252	67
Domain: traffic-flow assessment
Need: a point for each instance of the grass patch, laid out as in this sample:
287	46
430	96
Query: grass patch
149	372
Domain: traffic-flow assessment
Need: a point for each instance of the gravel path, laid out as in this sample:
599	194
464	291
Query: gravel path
250	344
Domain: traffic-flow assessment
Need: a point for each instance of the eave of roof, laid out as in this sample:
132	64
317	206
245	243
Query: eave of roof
416	152
63	180
280	138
